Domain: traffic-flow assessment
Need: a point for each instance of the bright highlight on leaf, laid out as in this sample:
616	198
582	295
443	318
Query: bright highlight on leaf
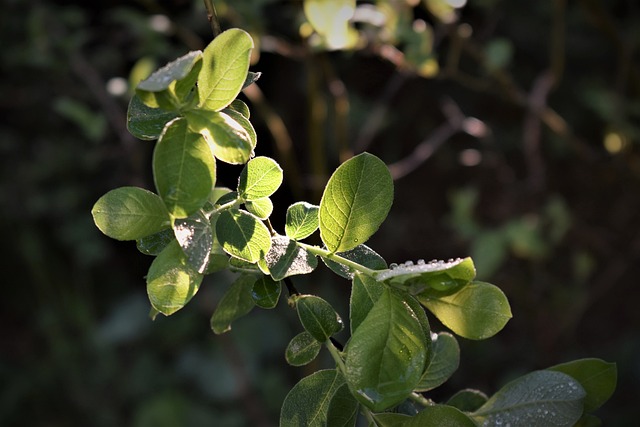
302	220
355	202
130	213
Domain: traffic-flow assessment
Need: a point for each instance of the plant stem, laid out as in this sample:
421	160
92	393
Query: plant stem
420	399
335	353
337	258
212	16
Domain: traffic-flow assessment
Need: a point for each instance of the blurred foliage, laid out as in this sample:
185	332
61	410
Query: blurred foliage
520	122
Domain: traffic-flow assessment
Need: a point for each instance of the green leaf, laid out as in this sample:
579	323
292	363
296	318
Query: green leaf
365	291
242	235
266	292
159	89
227	137
302	349
183	169
597	377
468	400
388	419
155	243
251	79
217	262
262	208
286	258
541	398
240	107
194	235
235	303
171	281
355	202
442	277
130	213
439	416
362	255
318	317
477	311
302	220
310	403
145	122
224	69
386	354
445	359
260	178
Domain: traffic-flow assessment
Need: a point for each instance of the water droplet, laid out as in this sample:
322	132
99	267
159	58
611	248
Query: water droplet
393	265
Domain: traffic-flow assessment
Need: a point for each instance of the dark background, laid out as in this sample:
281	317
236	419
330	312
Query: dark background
542	189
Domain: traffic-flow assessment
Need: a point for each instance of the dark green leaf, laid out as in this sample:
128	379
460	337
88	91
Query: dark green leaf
286	258
195	237
145	122
302	349
183	168
155	243
386	354
387	419
477	311
302	220
597	377
365	291
242	235
251	79
318	317
171	281
468	400
355	202
441	416
260	178
343	408
266	292
235	303
361	254
130	213
445	359
224	69
310	402
538	399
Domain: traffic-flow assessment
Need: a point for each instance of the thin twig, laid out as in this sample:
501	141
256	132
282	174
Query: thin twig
212	16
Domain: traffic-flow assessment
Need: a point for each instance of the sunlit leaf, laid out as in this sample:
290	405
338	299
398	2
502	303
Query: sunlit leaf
242	235
224	69
422	277
171	281
478	311
260	178
262	208
130	213
355	202
302	220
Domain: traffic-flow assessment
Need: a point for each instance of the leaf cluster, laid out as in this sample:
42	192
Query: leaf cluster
194	228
